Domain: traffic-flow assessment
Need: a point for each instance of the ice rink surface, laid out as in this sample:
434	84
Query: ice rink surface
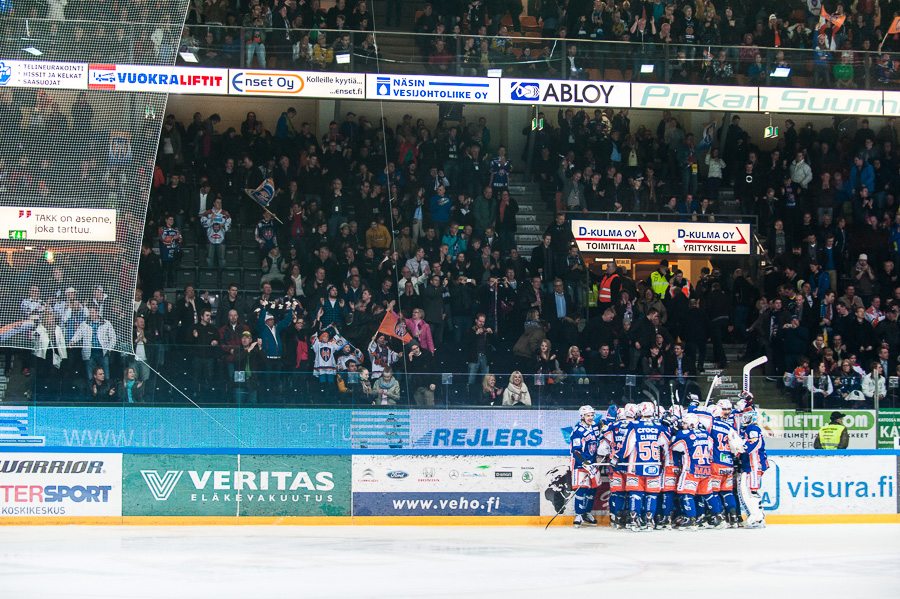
359	562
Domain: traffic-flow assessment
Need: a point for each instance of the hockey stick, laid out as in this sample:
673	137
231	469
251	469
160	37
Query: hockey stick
712	387
563	508
750	366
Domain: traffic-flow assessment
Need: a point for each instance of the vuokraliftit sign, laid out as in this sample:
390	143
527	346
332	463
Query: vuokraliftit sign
662	238
230	485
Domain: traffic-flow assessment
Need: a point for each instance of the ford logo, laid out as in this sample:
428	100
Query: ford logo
397	474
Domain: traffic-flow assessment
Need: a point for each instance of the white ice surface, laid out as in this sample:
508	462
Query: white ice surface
336	562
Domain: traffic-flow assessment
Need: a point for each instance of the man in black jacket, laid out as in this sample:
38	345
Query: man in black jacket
478	341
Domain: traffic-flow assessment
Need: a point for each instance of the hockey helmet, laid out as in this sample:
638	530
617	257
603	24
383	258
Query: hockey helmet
631	411
647	409
620	414
749	417
726	406
585	410
690	421
716	412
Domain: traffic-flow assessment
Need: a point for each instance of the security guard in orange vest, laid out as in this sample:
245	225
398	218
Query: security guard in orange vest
610	286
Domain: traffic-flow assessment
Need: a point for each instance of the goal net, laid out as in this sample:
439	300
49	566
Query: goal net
76	163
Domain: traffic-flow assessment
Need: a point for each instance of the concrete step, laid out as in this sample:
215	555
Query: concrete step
533	228
526	218
533	240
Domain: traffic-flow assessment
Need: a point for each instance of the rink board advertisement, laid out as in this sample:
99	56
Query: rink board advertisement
235	485
496	430
170	428
447	485
888	428
44	485
803	485
632	237
797	430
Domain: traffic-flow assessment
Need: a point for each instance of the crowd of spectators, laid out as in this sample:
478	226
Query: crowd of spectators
829	44
419	225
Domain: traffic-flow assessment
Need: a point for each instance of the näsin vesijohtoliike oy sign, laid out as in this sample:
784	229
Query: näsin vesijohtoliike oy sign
662	238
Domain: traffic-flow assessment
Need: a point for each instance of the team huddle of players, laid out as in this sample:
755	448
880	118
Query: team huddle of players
672	468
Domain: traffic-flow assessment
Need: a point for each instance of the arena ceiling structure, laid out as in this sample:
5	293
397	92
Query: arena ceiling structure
76	159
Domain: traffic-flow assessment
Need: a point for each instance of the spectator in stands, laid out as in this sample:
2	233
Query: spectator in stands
516	393
97	337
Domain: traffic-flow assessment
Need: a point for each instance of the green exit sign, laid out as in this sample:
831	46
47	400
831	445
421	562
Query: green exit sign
17	234
660	248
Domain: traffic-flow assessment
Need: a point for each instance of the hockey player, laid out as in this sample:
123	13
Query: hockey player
672	423
754	463
584	447
615	439
726	444
645	443
694	446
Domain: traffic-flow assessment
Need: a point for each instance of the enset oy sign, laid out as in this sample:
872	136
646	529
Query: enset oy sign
297	83
662	238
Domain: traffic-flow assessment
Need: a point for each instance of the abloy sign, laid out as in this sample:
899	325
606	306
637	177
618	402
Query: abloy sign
565	93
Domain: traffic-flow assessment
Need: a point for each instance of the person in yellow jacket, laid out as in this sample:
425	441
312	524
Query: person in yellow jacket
833	435
659	279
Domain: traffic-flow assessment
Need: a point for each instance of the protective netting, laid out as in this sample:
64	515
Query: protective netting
76	167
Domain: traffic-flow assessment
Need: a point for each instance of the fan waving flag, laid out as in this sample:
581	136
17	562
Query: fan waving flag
263	194
836	21
895	26
709	135
395	327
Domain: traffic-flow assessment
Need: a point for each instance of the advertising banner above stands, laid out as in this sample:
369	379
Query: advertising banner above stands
694	97
788	429
147	78
433	88
662	238
42	75
836	484
299	84
57	224
820	101
45	485
550	92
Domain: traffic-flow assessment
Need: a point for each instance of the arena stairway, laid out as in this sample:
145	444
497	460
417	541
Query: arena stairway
534	217
767	393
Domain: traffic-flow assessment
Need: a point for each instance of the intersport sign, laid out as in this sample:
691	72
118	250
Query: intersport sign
565	93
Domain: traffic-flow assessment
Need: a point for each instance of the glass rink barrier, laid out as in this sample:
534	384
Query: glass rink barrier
649	57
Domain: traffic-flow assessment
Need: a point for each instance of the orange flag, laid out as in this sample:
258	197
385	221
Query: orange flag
836	20
395	327
895	26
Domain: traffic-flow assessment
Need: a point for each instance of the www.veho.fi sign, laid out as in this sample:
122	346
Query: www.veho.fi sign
230	485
